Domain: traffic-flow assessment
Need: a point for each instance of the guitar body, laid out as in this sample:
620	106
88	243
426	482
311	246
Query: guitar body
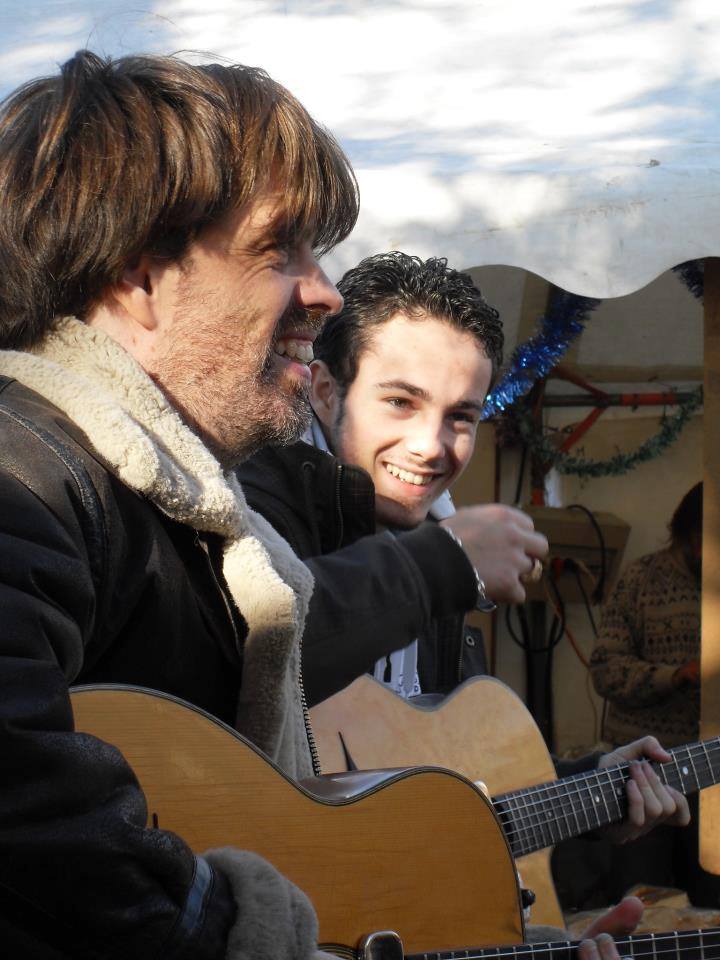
483	730
417	851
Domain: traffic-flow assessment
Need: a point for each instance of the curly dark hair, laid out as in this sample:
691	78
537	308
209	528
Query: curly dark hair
389	283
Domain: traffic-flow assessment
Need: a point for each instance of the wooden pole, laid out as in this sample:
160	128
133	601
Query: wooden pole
710	652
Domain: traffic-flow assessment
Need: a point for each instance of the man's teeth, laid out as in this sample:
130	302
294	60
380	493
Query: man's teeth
419	481
295	350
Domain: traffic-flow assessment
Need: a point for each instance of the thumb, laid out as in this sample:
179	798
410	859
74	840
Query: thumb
619	921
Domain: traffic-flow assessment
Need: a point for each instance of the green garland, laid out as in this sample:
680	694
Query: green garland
622	462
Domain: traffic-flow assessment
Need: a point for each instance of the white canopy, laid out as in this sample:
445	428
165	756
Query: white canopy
578	139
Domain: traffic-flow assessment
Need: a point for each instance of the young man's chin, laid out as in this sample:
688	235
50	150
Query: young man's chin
390	513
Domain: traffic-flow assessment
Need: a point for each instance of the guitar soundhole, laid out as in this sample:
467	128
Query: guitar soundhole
155	821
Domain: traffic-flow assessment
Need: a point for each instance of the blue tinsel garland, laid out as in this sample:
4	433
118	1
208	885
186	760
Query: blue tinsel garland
536	357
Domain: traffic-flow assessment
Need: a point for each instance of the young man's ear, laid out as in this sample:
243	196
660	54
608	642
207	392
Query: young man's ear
324	394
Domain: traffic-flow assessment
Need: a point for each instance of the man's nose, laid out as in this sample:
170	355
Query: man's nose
317	292
426	441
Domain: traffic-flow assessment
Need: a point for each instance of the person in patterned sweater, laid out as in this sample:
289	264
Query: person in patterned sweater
646	660
646	665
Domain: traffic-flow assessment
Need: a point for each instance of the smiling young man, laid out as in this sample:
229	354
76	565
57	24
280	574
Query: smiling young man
399	380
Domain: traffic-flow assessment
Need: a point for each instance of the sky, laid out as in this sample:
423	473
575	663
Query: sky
497	129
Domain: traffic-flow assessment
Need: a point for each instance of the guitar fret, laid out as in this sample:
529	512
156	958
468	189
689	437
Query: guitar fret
598	796
567	819
707	765
547	820
527	821
679	773
707	746
694	769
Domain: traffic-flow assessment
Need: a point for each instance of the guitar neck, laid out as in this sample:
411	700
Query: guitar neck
542	816
680	944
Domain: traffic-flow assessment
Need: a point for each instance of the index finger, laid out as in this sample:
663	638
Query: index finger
535	544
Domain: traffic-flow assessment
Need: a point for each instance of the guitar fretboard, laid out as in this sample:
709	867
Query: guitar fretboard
680	944
542	816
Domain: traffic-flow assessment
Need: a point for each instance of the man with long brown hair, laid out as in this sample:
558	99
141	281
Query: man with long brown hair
159	229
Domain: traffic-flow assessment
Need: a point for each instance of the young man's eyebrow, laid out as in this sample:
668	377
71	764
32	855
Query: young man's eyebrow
410	388
422	394
469	405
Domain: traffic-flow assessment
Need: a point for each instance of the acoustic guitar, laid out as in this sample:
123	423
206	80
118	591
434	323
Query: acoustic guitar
418	851
484	731
414	851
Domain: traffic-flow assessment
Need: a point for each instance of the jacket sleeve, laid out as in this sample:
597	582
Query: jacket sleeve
80	874
619	671
376	596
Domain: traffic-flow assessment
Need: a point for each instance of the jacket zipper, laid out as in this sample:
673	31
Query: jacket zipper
204	547
462	650
314	756
338	504
312	745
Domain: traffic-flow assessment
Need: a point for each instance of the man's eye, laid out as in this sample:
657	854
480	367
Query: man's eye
461	417
280	256
400	403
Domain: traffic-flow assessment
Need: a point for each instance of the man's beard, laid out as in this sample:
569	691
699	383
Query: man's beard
235	414
284	419
287	414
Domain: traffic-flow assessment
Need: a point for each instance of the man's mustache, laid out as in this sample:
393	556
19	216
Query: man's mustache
299	319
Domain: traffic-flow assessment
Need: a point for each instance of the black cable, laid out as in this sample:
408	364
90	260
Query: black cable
521	474
586	599
599	590
557	628
513	636
524	643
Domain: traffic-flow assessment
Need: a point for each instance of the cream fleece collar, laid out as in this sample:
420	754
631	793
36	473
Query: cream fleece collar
144	442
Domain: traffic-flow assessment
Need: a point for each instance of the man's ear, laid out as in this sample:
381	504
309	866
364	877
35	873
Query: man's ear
324	393
137	294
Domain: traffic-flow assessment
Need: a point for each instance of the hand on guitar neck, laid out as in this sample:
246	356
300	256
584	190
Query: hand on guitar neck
650	802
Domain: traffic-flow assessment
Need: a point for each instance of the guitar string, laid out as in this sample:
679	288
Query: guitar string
708	951
667	943
523	806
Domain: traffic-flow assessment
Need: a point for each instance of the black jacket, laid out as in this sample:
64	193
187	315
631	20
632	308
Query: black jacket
374	593
96	585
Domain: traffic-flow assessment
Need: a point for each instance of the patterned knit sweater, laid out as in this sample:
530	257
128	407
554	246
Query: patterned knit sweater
650	627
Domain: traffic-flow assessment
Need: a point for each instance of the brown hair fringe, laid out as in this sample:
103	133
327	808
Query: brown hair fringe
115	158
